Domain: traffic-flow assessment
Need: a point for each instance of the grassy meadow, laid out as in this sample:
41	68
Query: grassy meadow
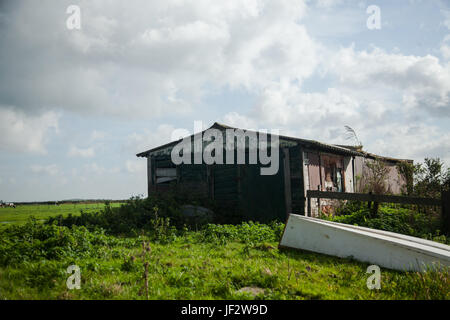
21	213
157	259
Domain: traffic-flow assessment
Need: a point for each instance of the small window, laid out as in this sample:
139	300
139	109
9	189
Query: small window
333	178
166	175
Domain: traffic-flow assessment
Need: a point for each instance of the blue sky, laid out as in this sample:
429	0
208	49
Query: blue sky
77	105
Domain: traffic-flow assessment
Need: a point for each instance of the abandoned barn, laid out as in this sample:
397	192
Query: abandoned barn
302	165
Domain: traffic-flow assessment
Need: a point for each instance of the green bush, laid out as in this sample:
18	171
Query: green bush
35	241
131	218
399	220
246	232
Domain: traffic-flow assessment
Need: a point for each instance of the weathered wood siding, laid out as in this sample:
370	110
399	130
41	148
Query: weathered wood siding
394	181
262	198
297	183
348	167
314	174
226	184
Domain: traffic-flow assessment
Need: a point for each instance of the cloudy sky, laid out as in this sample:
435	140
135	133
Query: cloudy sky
76	105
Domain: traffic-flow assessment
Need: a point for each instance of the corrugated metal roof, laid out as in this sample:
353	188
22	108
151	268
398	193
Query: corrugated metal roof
305	142
374	156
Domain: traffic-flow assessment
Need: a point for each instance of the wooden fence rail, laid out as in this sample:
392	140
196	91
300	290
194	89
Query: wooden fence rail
444	202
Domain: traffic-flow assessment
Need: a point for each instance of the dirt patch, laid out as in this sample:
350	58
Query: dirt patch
251	290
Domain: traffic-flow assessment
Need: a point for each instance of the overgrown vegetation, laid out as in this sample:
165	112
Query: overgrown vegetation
22	212
216	262
376	175
35	241
135	215
392	218
425	179
147	249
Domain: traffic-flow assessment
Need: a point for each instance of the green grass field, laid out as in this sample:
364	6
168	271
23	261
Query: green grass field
222	262
22	212
187	269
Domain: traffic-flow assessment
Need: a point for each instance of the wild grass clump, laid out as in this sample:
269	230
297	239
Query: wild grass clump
216	262
36	241
132	217
246	232
400	220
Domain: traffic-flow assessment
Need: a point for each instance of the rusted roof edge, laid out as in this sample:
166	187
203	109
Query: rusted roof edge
216	125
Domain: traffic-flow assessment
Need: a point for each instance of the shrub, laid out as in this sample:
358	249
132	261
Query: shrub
399	220
247	232
34	241
131	218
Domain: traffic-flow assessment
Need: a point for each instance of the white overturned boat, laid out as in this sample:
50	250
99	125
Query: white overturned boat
385	249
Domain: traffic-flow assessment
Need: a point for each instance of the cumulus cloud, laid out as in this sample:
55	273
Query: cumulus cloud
94	168
423	81
445	46
51	169
319	116
412	141
136	166
237	120
165	59
141	141
446	21
20	132
161	59
327	3
445	49
81	152
98	135
384	97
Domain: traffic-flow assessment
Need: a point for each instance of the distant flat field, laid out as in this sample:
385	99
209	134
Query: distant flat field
42	211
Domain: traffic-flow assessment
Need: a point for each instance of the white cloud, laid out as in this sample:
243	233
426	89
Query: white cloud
166	59
150	58
384	97
413	141
423	82
115	170
446	22
139	142
327	3
318	116
51	169
81	152
445	51
25	133
95	168
136	166
237	120
98	135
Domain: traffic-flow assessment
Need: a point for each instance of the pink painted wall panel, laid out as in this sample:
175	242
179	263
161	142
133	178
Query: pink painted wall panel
313	170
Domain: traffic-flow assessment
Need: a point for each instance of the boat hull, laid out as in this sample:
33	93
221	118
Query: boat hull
385	249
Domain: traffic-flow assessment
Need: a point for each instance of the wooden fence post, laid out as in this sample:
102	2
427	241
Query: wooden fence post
309	206
445	198
375	209
318	203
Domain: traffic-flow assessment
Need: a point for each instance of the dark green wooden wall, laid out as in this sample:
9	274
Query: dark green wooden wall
297	184
262	197
242	187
